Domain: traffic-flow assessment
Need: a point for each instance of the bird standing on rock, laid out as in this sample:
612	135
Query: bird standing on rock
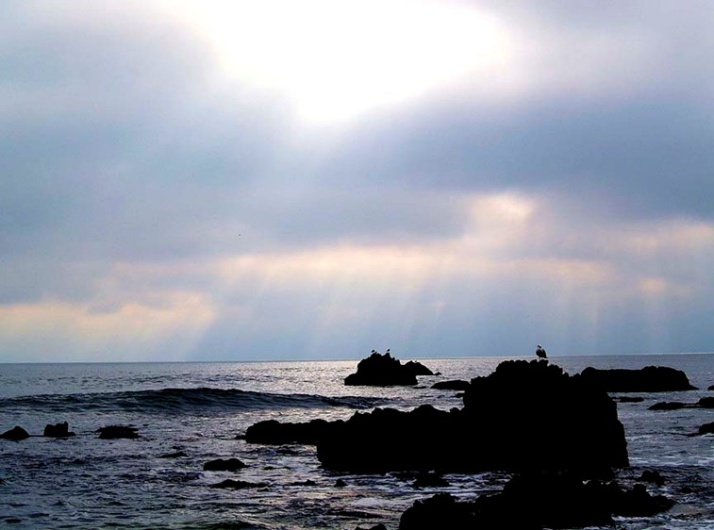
540	352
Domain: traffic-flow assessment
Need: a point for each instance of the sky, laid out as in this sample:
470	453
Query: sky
314	179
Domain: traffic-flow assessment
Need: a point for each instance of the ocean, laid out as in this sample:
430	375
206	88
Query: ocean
189	413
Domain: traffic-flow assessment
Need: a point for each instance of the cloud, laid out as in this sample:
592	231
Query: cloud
558	194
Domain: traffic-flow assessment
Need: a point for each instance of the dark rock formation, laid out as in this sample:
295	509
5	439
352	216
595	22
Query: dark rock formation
417	368
533	415
535	501
522	416
273	432
238	484
231	464
113	432
58	430
15	434
454	384
647	379
707	428
385	370
706	403
652	477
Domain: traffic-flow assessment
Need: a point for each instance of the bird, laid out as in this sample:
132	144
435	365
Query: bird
540	352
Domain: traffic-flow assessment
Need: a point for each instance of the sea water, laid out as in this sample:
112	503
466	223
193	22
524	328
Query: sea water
189	413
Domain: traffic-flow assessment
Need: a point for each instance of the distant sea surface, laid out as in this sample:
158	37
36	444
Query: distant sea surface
189	413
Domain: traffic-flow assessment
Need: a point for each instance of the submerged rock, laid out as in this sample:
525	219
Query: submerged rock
15	434
238	484
113	432
384	370
647	379
455	384
230	464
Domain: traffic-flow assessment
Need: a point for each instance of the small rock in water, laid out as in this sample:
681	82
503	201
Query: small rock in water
231	464
15	434
707	428
238	484
652	477
113	432
58	430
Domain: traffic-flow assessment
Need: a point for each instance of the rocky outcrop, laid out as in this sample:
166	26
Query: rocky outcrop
703	403
417	368
522	416
230	464
455	384
272	432
58	430
238	484
536	501
113	432
15	434
707	428
384	370
647	379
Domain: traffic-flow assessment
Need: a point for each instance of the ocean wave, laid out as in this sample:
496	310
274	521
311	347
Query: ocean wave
183	400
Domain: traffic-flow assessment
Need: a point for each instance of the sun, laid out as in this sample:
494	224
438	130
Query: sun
336	60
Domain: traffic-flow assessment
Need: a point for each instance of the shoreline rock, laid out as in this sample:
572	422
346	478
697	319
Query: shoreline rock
536	501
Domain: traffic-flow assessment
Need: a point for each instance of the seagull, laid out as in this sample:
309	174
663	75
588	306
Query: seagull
540	352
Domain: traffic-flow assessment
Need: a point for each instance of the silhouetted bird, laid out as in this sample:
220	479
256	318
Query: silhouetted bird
540	352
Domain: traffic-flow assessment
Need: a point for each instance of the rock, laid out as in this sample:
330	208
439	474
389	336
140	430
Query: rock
576	425
113	432
454	384
15	434
647	379
59	430
706	403
532	415
380	526
653	477
340	483
383	370
231	464
417	368
273	432
535	501
440	511
238	484
669	405
707	428
711	387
